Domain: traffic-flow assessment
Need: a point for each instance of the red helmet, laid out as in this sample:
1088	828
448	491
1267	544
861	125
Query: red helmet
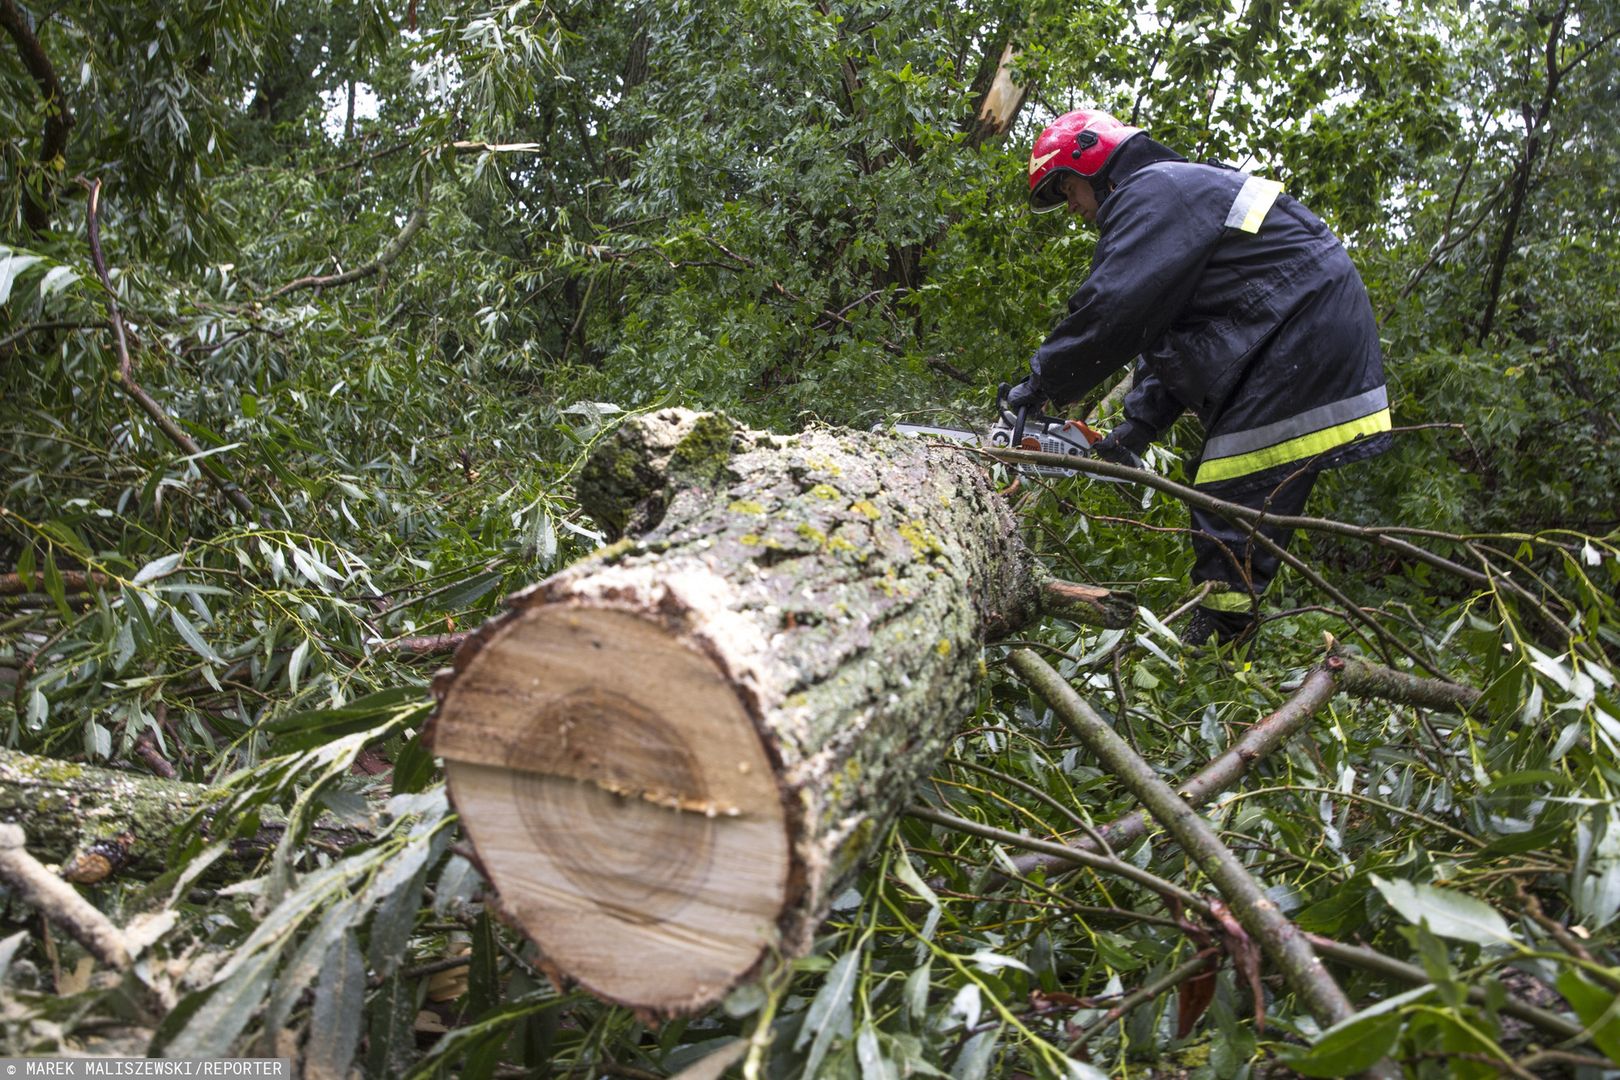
1080	142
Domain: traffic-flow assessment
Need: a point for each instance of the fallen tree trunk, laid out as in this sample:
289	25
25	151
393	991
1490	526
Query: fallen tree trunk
100	823
668	755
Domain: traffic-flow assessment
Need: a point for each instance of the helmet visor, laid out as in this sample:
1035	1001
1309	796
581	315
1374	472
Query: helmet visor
1047	197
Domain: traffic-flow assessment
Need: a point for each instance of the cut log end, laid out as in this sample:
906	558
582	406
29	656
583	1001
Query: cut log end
621	801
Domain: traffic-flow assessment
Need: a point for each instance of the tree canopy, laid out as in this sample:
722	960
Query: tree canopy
309	314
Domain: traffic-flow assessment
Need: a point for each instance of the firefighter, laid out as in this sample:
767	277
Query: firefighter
1238	304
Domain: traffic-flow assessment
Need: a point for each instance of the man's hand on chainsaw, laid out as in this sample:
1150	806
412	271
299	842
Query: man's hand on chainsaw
1122	446
1026	395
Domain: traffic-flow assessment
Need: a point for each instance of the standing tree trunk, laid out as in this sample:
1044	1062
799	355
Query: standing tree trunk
1535	126
668	755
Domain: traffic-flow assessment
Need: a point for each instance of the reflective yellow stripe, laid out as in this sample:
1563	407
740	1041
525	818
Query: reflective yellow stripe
1252	203
1304	446
1227	601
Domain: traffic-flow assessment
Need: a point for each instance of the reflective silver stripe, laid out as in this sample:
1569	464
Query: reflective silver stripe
1253	200
1323	416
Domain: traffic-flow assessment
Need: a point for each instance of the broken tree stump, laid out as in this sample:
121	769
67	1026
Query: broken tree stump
668	755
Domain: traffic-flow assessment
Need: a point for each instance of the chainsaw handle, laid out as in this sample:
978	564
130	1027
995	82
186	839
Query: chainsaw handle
1017	421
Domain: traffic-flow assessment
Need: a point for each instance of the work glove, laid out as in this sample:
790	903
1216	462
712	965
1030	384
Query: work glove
1026	395
1224	627
1123	445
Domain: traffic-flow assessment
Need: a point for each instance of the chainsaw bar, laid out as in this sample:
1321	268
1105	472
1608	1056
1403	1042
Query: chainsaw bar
1050	435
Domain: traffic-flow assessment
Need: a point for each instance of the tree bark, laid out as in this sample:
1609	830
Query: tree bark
669	755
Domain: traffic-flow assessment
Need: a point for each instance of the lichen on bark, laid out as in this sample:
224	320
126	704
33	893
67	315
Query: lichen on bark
844	582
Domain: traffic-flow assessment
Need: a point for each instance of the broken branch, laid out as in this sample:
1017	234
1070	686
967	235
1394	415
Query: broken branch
72	581
58	901
1089	604
394	250
1279	938
1215	777
126	378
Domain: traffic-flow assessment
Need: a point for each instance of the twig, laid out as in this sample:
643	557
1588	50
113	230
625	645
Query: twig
126	378
950	370
1378	535
1194	497
1144	994
1118	867
1566	941
1192	601
49	324
1366	680
1279	938
1564	1057
147	750
1032	791
428	645
434	967
1358	613
58	902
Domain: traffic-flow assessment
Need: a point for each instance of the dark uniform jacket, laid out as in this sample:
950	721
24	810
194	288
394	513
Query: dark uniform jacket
1243	307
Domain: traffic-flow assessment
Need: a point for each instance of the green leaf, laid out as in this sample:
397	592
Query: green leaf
1447	912
192	638
339	1006
313	954
483	981
1599	1010
977	1054
397	892
8	950
56	589
869	1055
318	727
389	1017
56	279
714	1065
912	880
460	1039
470	591
413	767
1351	1047
295	664
829	1012
231	1004
11	268
64	534
158	568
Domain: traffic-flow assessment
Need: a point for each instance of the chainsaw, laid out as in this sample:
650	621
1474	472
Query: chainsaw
1021	430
